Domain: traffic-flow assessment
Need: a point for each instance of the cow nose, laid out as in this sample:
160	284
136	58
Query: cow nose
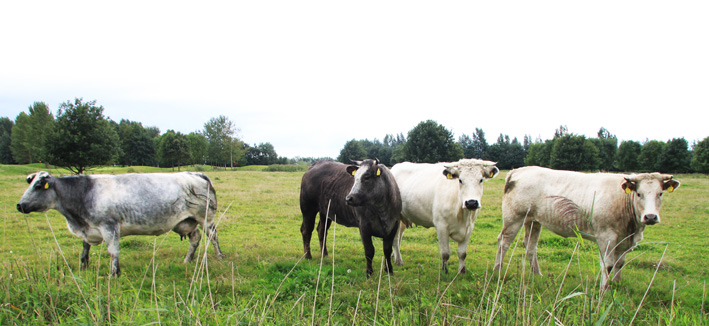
349	200
651	219
19	208
472	204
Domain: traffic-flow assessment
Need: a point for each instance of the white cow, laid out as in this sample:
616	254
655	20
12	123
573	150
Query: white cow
445	196
611	209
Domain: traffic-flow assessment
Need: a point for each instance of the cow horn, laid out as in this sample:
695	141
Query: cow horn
667	177
632	178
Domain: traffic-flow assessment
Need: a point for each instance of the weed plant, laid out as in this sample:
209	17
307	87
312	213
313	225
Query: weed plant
264	279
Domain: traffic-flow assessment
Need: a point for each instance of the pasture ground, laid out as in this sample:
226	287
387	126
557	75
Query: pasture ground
262	281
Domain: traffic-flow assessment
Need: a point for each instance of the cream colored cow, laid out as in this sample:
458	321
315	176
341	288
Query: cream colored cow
611	209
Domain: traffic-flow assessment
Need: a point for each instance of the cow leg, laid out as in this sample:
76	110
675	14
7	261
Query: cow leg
195	236
532	232
323	227
507	235
462	254
397	244
368	250
444	244
111	235
388	242
85	256
211	233
306	230
618	268
606	245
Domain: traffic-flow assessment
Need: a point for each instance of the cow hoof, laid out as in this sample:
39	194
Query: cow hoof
399	262
462	271
220	256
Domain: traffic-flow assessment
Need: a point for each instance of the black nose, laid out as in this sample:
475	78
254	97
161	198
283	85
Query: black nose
19	208
472	204
651	219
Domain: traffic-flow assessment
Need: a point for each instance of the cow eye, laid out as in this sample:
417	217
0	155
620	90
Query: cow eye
460	180
482	180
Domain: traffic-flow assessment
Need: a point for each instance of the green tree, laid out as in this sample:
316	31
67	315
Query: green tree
607	145
700	160
224	148
174	149
30	134
574	152
475	146
353	150
82	137
396	145
628	155
262	154
430	142
198	148
20	134
539	153
650	155
137	144
508	154
6	141
675	157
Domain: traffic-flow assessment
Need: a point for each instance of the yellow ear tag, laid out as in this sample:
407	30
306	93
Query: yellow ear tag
379	172
628	191
492	174
449	176
671	189
354	171
46	186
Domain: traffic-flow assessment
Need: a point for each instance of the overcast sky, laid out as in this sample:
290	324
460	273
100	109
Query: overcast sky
307	76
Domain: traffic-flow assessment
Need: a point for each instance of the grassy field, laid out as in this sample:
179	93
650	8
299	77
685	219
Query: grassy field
264	281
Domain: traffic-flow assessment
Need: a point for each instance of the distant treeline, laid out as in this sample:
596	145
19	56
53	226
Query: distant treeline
430	142
80	137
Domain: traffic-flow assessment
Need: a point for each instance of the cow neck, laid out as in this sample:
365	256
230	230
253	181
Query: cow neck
631	213
71	195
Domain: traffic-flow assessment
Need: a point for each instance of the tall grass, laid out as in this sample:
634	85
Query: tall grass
265	281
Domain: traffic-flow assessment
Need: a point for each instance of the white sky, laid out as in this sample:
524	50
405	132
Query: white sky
307	76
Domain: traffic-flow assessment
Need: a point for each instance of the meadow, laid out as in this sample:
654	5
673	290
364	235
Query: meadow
264	281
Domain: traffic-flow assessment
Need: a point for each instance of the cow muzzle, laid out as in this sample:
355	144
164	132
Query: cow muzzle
472	204
651	219
22	209
353	201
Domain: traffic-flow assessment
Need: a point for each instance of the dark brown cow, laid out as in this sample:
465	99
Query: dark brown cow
364	196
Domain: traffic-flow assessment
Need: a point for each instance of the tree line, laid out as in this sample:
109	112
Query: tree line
430	142
80	137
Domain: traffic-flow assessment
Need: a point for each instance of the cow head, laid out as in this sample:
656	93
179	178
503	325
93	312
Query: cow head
470	175
39	196
368	183
647	190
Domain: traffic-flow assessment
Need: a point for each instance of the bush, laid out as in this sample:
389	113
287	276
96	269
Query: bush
286	168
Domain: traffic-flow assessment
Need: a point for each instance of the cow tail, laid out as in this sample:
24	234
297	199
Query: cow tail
212	192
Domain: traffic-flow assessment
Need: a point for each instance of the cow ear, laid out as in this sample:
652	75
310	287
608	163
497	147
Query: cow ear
492	172
628	186
449	175
352	169
31	177
671	185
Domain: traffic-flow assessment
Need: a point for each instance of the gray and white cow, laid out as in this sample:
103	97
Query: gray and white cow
102	208
446	196
611	209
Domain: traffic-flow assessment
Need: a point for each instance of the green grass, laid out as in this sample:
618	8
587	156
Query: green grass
262	280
